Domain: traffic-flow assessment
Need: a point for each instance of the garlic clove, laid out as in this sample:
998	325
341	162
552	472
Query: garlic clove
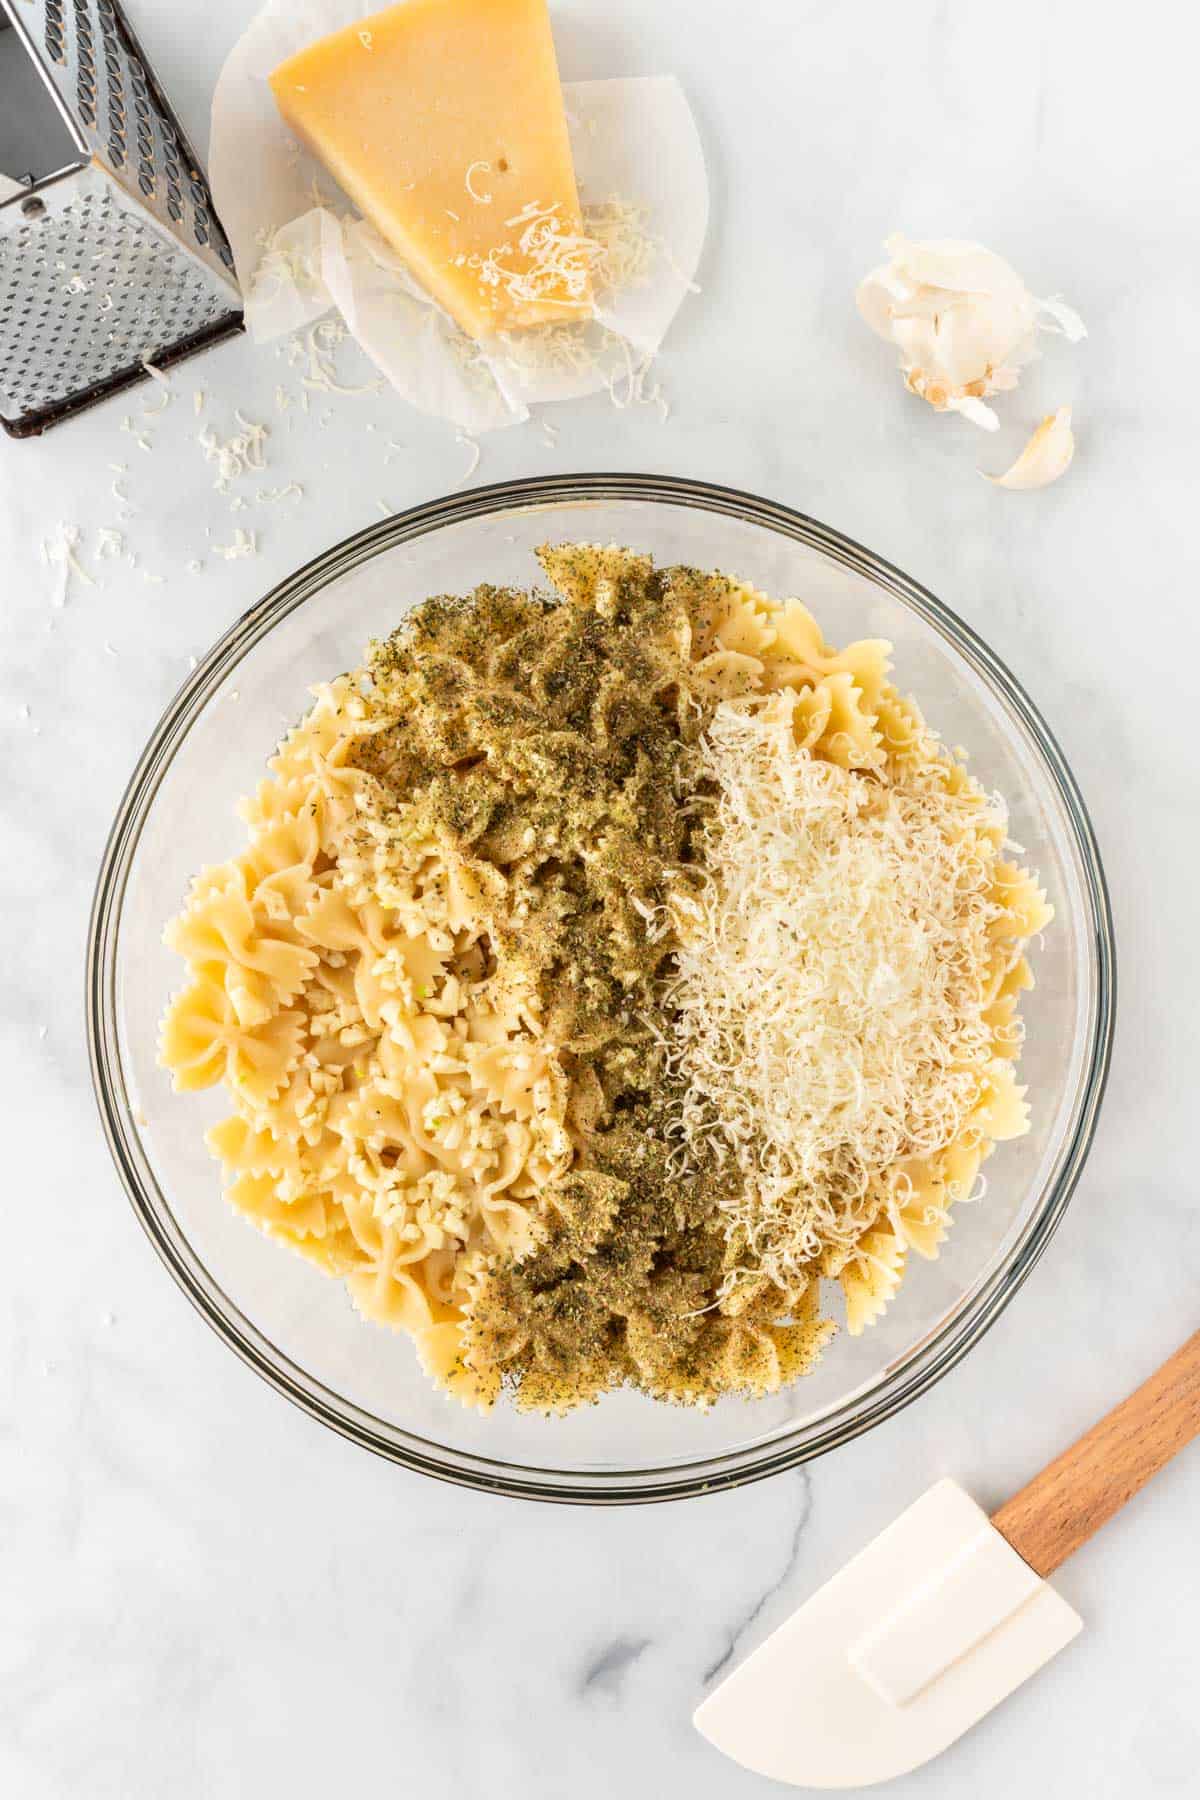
953	263
976	337
877	297
1045	457
974	409
962	319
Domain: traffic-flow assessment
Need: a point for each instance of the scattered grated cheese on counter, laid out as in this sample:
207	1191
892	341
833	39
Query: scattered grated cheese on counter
236	455
468	443
313	349
245	543
831	982
130	425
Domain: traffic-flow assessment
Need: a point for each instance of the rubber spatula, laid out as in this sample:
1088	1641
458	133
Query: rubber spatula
944	1614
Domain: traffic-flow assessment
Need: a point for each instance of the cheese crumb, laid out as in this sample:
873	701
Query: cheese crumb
485	168
245	543
129	425
468	443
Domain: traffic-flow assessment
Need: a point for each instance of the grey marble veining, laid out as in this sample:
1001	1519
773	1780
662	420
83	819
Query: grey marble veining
201	1593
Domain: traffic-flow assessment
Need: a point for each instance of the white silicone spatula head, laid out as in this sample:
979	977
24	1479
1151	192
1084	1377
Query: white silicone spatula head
942	1616
872	1677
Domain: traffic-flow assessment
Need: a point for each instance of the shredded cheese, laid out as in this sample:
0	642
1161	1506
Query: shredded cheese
235	455
557	262
561	267
831	983
485	168
128	424
628	250
313	349
469	444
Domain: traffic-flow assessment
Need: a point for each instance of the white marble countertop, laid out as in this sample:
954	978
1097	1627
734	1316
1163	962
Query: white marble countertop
204	1594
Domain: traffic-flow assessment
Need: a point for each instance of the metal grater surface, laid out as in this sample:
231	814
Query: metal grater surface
116	259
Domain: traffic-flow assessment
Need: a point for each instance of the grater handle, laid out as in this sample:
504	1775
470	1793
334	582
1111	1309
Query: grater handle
1081	1489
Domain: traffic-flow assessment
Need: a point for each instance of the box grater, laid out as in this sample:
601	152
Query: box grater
110	253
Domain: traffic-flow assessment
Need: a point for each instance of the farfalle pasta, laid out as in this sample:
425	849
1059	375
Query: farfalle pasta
391	1124
503	997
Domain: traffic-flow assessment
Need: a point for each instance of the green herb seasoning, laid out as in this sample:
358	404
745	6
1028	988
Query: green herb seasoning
549	745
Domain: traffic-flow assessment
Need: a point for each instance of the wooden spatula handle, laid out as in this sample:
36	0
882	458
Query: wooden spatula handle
1081	1489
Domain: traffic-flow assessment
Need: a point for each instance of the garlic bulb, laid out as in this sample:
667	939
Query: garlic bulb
963	320
1045	457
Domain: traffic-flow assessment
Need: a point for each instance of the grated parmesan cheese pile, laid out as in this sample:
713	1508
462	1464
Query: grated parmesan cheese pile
831	984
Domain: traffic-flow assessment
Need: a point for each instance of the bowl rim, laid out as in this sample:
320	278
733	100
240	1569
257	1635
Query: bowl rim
926	1361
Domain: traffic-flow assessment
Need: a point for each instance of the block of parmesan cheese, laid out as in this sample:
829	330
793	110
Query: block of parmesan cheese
443	121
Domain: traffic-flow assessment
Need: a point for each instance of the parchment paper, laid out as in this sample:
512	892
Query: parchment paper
301	249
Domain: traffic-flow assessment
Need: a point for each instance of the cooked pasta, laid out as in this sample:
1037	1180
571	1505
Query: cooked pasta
503	993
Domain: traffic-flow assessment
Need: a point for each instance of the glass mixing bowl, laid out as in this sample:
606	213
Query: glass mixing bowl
295	1326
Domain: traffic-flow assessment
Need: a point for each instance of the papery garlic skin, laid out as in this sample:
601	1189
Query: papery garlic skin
1045	457
963	320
